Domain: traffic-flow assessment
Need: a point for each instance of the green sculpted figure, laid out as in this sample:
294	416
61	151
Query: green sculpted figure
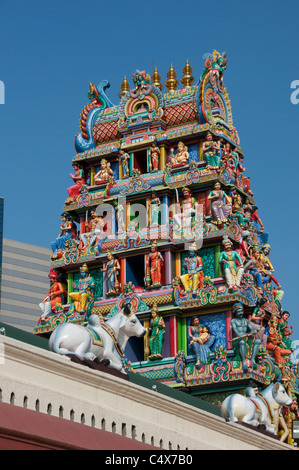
242	330
157	328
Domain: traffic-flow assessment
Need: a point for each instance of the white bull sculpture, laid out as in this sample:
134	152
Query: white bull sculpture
101	342
259	408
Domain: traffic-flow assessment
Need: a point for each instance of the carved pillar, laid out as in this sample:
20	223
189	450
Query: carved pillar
163	156
92	175
168	267
173	336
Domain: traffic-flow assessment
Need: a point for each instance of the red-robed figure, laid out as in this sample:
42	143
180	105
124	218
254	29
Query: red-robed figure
53	296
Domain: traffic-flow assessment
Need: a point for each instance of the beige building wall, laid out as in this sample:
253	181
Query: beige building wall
43	381
24	284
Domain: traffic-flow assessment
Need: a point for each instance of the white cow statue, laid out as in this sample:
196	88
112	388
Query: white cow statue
258	408
101	342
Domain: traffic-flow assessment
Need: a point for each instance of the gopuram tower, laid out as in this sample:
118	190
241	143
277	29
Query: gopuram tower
160	211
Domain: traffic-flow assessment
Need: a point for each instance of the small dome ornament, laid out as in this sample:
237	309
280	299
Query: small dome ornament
171	83
156	79
187	79
124	87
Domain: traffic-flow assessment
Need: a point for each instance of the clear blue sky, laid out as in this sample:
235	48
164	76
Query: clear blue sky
51	50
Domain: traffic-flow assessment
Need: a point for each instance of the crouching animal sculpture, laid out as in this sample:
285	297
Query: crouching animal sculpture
101	342
258	408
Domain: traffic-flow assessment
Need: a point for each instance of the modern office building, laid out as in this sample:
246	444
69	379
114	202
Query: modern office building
1	238
25	282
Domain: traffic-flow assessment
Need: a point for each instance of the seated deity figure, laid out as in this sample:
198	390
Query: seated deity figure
124	159
181	157
154	264
112	270
219	210
53	297
93	229
201	342
154	154
83	296
192	280
79	180
232	265
67	232
104	174
211	150
241	330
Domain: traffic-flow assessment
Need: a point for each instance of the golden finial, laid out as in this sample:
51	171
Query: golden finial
171	83
124	87
156	79
187	79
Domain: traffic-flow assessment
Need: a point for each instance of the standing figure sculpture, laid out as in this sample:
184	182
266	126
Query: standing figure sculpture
53	296
154	154
112	269
124	159
154	263
185	218
219	210
83	298
232	265
242	330
154	209
211	150
120	216
79	180
279	352
157	328
201	342
193	279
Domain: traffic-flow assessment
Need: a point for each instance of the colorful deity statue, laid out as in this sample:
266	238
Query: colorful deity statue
185	218
258	322
219	210
93	229
193	279
83	297
78	178
181	157
104	173
285	331
201	342
124	159
120	216
154	209
154	154
67	232
154	264
211	150
157	329
279	352
256	269
242	330
268	267
232	265
53	297
112	269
